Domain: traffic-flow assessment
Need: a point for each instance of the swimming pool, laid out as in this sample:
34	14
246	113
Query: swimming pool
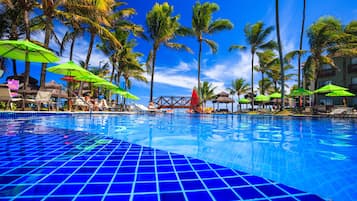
313	155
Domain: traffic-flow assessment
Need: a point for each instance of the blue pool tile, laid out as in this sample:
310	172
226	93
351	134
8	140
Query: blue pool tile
127	169
226	172
117	198
101	178
255	180
13	190
309	198
21	171
143	169
199	195
146	177
106	170
167	176
214	183
94	189
68	189
85	170
78	179
129	163
172	196
65	171
28	179
182	168
169	186
146	162
39	190
29	199
236	181
248	193
145	187
146	197
271	190
124	178
187	175
53	198
290	189
284	199
89	198
207	174
54	179
8	179
224	195
192	185
163	162
201	167
165	168
120	188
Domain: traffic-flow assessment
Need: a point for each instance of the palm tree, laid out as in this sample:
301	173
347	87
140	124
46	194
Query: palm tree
162	28
301	40
256	35
206	93
266	59
239	86
280	48
202	24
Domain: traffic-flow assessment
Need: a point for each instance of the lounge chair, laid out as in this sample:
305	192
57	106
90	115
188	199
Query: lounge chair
85	105
42	97
5	95
142	108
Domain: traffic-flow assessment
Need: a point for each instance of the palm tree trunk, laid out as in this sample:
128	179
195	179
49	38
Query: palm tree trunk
263	91
152	72
44	65
282	76
199	66
252	81
72	48
301	40
89	53
14	67
27	30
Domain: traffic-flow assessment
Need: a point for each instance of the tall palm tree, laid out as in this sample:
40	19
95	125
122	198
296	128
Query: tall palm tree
239	86
280	48
202	23
301	40
162	28
256	36
266	59
206	92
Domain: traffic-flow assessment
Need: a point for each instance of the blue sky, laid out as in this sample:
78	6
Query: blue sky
176	72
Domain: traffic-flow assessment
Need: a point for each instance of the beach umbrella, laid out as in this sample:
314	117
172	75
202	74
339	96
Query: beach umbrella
340	93
329	88
244	101
118	90
130	96
69	69
106	84
25	50
89	78
301	92
275	95
262	98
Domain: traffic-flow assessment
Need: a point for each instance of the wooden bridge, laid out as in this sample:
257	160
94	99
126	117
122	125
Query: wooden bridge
172	102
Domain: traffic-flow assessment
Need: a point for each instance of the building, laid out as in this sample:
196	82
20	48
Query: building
345	75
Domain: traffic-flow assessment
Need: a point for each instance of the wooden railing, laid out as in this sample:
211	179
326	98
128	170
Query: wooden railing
172	102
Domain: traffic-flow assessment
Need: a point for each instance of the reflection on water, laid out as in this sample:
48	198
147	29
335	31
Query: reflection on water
299	152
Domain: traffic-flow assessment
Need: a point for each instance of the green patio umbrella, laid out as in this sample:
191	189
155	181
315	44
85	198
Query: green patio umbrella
275	95
301	92
89	78
130	96
118	90
69	69
329	88
244	101
25	50
106	84
262	98
340	93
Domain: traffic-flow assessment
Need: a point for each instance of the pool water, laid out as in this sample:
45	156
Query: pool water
310	154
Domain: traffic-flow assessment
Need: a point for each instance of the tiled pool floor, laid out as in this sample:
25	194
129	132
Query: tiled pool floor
41	163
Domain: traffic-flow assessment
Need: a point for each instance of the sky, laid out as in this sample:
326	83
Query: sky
176	71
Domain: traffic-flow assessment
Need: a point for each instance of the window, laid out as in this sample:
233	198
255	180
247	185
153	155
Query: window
326	67
354	60
354	80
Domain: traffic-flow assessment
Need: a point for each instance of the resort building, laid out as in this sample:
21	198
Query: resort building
345	75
